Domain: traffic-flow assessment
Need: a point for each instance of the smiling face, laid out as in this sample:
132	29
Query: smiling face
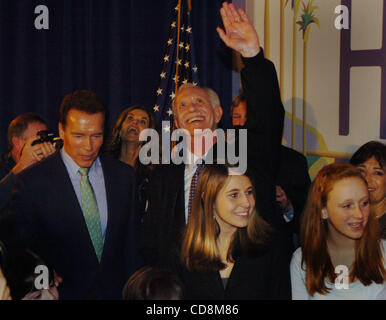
235	203
194	110
136	121
376	179
82	136
347	209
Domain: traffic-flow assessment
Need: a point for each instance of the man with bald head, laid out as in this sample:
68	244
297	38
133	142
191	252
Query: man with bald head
199	109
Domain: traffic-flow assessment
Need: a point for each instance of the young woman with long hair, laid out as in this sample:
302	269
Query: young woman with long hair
228	251
341	254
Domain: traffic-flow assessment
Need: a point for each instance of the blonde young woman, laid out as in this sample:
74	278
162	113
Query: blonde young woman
341	254
228	251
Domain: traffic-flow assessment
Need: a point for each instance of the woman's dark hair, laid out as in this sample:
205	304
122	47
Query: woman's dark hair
20	273
370	149
151	283
114	148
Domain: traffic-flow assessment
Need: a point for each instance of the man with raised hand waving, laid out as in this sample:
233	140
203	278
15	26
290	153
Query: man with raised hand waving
169	192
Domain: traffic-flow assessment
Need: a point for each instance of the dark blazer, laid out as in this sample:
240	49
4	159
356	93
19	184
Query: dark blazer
293	177
263	275
165	217
46	212
6	180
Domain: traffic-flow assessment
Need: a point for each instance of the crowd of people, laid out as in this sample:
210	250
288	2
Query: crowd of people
80	221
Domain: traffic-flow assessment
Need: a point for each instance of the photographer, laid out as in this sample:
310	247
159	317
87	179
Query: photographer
22	132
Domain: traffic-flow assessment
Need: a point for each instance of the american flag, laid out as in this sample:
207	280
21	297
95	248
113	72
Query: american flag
179	57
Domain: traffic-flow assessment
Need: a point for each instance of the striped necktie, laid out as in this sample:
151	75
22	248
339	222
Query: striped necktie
193	186
91	212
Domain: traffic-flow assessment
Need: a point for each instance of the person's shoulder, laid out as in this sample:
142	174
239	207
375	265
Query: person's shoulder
383	247
167	170
110	162
297	255
296	260
289	152
42	168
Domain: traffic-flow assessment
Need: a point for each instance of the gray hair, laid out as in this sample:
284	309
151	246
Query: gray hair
213	97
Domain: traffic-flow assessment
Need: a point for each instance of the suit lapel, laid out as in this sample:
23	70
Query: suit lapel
178	192
111	199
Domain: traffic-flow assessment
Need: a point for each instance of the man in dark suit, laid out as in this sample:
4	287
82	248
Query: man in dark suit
292	180
76	209
199	108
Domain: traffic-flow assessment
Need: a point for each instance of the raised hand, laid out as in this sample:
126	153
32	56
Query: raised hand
32	154
239	33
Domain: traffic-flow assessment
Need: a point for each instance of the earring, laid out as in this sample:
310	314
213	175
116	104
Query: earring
324	213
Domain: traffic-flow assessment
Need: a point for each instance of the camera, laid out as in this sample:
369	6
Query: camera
48	136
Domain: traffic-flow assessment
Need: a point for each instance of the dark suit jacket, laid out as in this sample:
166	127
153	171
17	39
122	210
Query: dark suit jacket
165	216
263	275
46	212
6	180
293	177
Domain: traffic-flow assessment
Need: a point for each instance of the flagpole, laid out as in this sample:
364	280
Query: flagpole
178	43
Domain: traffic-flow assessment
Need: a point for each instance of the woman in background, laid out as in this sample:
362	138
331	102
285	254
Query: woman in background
371	162
125	144
341	254
228	251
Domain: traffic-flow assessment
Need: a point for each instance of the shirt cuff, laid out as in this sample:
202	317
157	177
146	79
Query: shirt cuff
289	215
257	59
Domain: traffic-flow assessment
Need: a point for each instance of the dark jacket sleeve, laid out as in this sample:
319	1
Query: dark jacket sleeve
294	179
23	212
5	191
265	116
265	112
